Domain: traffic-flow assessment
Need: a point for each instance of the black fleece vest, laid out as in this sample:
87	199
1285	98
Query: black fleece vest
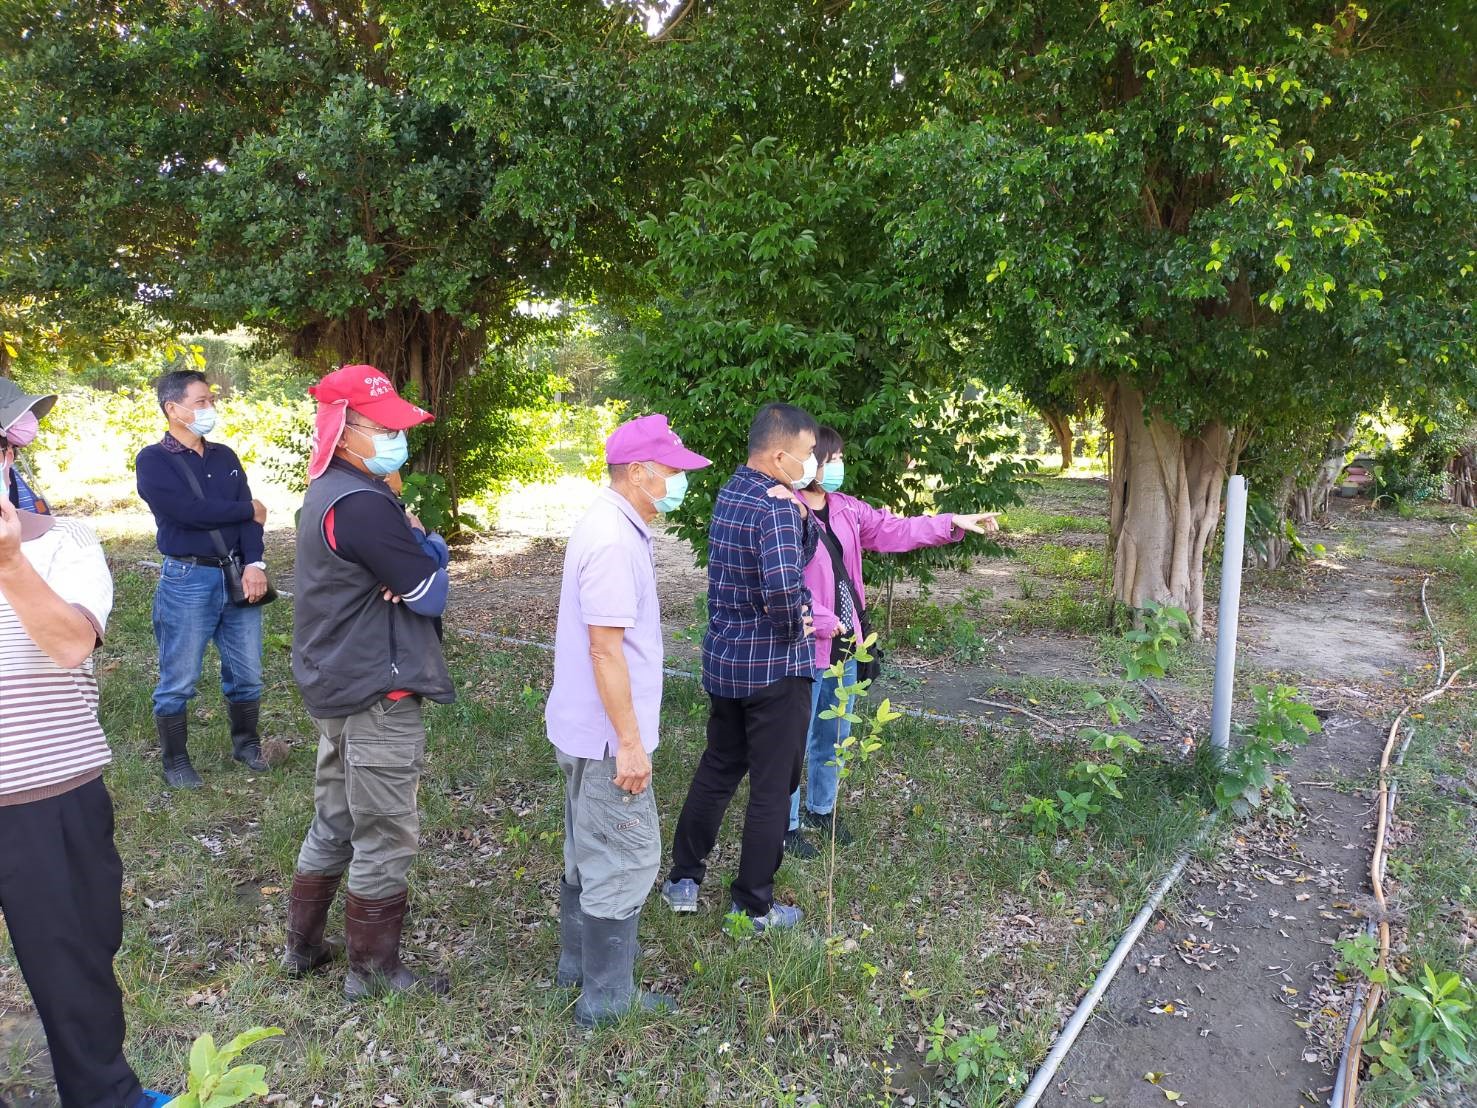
350	647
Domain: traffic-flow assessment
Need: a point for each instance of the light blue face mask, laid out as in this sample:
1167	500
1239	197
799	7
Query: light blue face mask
832	475
204	421
676	492
390	453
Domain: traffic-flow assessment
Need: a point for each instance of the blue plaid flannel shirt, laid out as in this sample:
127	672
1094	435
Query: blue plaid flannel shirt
758	547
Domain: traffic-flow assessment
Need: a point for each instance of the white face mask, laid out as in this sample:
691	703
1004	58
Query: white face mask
808	470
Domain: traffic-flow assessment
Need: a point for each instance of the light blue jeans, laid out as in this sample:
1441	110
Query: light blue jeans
820	748
191	609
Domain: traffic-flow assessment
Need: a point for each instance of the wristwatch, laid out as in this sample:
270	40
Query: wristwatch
257	565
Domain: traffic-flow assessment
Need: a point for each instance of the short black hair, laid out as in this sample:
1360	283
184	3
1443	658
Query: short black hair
171	387
778	421
828	443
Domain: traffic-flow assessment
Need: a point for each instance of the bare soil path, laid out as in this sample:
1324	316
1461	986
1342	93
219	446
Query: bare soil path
1229	999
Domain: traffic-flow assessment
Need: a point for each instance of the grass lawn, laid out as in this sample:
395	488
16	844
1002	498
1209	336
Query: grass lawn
947	909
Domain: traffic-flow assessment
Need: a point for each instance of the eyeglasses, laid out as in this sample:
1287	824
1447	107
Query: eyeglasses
368	428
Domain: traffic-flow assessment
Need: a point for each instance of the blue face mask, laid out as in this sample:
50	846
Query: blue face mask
390	453
204	422
676	492
832	475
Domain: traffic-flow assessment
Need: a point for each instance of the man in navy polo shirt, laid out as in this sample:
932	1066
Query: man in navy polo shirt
192	606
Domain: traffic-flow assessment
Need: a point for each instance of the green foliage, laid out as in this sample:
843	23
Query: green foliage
942	631
853	752
1362	953
1078	808
1161	628
214	1082
331	187
1266	525
973	1060
739	925
1211	201
1423	1026
771	282
1282	721
1043	813
425	494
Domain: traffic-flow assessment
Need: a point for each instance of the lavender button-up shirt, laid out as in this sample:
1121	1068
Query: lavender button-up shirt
609	581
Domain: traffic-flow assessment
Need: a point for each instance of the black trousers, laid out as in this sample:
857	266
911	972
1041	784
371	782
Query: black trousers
60	883
763	735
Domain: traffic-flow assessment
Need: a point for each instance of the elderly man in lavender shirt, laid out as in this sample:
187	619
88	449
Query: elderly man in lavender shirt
603	717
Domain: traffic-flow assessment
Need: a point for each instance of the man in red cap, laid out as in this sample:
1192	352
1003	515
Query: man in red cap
370	590
603	717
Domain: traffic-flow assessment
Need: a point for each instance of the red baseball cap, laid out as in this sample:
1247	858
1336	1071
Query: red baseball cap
370	393
367	391
650	439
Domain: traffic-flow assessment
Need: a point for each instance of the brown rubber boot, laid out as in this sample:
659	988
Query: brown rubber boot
307	914
373	929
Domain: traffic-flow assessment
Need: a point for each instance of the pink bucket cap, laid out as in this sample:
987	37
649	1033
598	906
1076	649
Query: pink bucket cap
650	439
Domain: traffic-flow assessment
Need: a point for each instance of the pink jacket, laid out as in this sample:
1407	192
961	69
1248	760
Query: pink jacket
858	526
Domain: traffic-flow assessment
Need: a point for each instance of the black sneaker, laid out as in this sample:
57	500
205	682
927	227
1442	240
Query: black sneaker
798	846
822	823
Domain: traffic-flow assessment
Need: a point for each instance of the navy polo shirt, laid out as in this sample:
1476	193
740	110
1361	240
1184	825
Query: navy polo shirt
184	520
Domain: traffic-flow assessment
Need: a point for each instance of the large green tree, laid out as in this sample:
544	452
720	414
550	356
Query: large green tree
1217	217
1217	220
773	280
292	167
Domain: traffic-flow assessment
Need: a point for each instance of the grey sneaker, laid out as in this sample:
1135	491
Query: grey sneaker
681	896
781	917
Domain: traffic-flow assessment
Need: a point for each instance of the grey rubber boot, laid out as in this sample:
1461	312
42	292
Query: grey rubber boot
246	742
609	990
174	752
571	935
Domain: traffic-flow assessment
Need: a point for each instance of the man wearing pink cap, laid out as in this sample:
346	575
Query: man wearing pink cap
371	586
603	718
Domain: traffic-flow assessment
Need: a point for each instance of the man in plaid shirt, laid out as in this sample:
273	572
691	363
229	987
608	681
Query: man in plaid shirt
757	667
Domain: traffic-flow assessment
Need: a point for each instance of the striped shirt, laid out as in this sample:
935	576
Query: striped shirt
757	599
50	738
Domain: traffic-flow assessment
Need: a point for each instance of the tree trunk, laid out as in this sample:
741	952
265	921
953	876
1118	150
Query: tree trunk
1309	504
1271	549
1165	500
425	353
1060	424
1463	470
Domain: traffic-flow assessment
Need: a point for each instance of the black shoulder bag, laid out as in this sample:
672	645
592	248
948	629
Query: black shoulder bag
231	564
865	671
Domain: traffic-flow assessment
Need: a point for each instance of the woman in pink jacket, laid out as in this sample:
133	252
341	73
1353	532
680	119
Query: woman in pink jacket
834	576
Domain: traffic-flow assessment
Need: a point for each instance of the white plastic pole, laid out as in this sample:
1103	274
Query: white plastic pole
1233	552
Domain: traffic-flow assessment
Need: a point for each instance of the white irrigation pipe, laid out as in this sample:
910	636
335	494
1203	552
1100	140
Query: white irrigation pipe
1089	1002
1233	552
1366	997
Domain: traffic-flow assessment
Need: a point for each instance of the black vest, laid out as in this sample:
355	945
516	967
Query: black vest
351	647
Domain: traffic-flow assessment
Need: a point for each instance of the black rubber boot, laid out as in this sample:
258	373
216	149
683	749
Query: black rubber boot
307	916
571	937
609	989
246	742
373	928
174	752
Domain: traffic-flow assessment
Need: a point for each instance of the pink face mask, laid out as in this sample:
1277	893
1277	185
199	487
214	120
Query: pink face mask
23	430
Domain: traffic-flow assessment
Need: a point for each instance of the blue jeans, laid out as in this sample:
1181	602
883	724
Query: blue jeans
820	748
191	609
